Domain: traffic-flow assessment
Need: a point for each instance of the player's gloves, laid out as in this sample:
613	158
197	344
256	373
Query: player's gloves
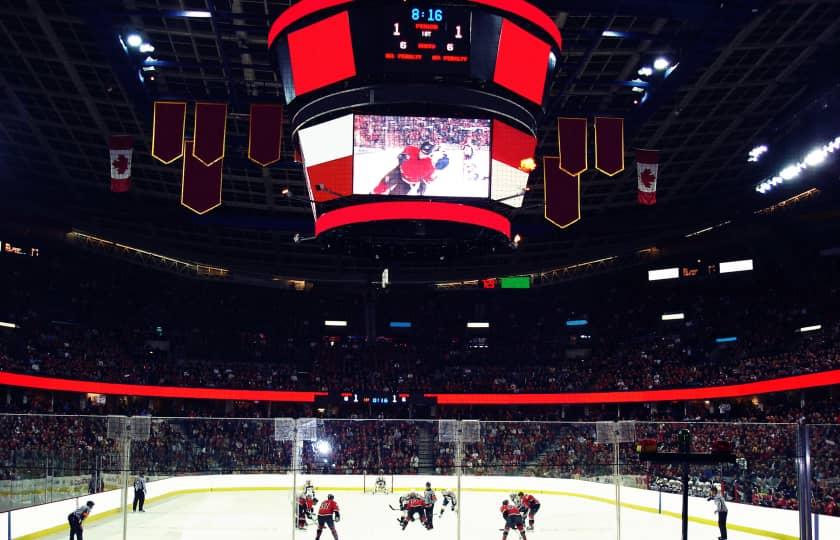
402	157
337	517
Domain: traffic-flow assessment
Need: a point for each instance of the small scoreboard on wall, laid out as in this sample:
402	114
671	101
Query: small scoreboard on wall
415	111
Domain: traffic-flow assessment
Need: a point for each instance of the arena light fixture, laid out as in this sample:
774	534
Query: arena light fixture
146	48
577	322
728	339
645	71
756	153
673	316
614	34
134	40
478	324
8	325
335	323
400	324
812	328
661	64
193	14
815	157
323	447
744	265
663	273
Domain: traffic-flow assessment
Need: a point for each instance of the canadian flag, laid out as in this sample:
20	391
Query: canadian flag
121	149
647	167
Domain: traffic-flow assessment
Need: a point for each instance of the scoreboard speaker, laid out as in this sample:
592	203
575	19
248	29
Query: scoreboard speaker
431	108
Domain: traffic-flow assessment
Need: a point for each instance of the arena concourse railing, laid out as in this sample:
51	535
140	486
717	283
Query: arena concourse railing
220	477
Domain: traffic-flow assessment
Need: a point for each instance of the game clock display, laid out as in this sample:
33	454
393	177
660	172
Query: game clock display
427	38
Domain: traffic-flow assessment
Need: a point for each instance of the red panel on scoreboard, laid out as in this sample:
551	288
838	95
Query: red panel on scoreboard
336	176
322	53
522	62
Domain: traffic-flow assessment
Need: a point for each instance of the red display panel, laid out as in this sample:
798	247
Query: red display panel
784	384
522	62
322	53
93	387
513	154
400	211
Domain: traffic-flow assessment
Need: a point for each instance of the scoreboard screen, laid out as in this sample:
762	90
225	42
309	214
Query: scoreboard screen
423	36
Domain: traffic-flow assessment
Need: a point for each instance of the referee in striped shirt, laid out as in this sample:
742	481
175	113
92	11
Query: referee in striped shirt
139	493
720	510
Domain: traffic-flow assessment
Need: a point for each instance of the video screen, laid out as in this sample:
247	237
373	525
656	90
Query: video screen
421	156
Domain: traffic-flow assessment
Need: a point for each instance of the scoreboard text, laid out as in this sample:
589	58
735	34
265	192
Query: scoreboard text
419	37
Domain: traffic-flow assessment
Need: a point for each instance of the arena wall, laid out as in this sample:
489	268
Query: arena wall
32	522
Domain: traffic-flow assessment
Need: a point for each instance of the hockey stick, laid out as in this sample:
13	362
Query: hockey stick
395	509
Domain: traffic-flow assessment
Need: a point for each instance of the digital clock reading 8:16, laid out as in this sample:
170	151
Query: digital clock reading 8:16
428	15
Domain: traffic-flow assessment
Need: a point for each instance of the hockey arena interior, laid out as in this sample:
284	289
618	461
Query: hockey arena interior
450	270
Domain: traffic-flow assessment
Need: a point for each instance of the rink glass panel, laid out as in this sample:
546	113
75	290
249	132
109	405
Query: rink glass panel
59	457
52	458
824	443
556	455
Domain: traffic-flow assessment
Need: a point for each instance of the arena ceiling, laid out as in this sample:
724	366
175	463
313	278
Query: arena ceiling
748	72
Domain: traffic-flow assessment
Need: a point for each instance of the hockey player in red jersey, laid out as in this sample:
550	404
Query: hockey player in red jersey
414	505
326	511
302	512
513	519
532	506
416	167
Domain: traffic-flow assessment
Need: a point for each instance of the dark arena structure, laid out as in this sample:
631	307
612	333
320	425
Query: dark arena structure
450	270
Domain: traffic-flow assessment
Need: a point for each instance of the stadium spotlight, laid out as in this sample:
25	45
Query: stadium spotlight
790	172
8	325
286	192
661	64
517	239
323	447
645	71
812	328
756	153
816	157
146	48
134	40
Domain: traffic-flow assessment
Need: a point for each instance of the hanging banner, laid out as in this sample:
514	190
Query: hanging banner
265	135
120	148
562	193
168	130
209	132
201	185
572	142
609	145
647	172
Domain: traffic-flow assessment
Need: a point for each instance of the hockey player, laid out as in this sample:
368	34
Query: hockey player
448	498
309	489
514	499
531	505
326	511
429	499
513	519
380	486
302	511
414	505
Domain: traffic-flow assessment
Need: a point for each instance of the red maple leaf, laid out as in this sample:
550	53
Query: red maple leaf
120	164
647	177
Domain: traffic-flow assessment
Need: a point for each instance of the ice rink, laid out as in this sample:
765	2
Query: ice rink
258	515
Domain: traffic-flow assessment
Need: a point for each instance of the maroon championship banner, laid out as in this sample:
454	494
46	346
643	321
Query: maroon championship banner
609	145
168	130
201	185
265	134
562	193
209	132
571	140
120	149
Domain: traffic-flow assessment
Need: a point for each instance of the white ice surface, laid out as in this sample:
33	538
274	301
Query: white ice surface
258	515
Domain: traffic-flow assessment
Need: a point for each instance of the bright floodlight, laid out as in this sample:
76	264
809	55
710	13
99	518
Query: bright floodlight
815	157
323	447
134	40
664	273
645	71
790	172
147	48
661	63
